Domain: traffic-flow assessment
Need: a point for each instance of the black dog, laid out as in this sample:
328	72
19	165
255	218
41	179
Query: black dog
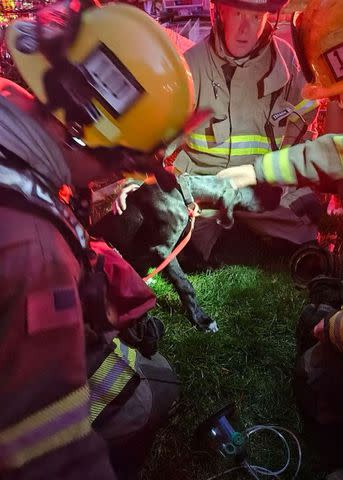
154	222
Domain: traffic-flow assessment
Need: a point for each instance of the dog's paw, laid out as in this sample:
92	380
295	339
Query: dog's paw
213	327
204	323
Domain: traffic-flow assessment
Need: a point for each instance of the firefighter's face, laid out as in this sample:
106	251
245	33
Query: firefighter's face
242	28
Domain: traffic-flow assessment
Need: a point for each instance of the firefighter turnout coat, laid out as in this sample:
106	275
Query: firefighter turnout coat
318	162
257	108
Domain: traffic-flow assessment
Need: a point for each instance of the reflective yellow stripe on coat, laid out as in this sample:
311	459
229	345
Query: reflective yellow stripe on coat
111	377
240	145
53	427
302	108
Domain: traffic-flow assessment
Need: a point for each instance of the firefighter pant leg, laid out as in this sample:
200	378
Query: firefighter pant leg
130	431
295	220
319	393
281	223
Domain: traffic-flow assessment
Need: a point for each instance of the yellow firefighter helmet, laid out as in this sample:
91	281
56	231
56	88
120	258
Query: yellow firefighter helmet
117	80
318	39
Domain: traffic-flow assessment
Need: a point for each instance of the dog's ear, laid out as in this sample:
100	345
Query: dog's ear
166	180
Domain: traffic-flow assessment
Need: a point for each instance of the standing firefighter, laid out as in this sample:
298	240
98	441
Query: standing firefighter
99	106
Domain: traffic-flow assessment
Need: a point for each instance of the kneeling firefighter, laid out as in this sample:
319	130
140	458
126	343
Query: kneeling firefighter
319	372
318	38
98	107
133	388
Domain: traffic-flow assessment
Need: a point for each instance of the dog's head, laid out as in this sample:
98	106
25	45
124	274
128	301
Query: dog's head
123	161
259	198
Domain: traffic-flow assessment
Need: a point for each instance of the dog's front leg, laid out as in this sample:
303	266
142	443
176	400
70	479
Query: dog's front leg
188	298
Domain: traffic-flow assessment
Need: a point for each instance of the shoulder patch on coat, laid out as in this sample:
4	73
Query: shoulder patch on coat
64	298
50	309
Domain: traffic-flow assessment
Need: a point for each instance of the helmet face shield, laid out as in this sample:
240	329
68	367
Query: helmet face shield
296	30
112	84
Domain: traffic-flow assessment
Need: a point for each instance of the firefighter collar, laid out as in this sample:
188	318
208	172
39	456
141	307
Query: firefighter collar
37	194
279	74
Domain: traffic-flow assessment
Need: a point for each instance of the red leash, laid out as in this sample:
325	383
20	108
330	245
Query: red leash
193	213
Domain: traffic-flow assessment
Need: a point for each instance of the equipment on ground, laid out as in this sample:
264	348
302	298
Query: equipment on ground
308	262
218	434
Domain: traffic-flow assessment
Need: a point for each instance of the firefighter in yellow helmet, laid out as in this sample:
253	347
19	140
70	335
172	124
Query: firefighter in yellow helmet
104	83
105	94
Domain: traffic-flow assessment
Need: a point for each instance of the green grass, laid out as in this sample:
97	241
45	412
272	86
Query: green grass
250	361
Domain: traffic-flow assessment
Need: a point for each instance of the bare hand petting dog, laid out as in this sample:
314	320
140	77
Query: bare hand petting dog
242	176
119	204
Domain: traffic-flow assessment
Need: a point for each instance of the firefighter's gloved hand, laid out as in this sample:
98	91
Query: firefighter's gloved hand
144	335
241	176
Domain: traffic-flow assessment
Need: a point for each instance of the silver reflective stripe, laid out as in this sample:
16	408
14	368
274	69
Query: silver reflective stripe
302	108
277	168
240	144
338	141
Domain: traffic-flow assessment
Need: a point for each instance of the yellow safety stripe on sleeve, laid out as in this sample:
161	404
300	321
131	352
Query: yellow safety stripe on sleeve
338	141
53	427
123	351
108	381
237	145
302	108
277	168
285	166
267	167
